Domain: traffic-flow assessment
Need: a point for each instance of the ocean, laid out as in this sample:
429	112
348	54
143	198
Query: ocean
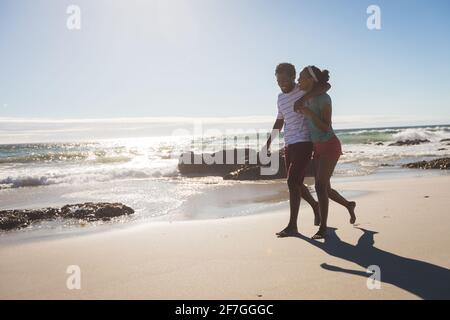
56	164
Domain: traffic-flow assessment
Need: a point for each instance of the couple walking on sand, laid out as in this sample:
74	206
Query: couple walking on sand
304	109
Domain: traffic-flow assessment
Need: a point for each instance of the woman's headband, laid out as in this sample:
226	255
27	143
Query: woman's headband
311	72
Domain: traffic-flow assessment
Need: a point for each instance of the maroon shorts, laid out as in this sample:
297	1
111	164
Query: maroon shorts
297	158
330	149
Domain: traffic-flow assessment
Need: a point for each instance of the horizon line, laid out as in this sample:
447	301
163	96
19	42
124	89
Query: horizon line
344	122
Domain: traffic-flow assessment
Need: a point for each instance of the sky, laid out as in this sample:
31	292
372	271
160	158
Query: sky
210	58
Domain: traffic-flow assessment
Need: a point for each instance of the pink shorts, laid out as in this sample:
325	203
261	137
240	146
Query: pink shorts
330	149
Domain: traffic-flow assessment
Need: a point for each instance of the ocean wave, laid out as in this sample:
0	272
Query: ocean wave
65	156
85	177
44	157
367	136
65	152
364	137
17	182
372	131
421	133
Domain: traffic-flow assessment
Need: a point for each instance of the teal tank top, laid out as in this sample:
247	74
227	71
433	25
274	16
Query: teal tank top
316	104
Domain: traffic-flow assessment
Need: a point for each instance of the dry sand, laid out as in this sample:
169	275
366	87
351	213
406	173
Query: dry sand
241	258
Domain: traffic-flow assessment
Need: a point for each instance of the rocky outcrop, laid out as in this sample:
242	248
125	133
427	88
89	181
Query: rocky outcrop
444	140
89	211
12	220
215	164
386	165
95	211
409	142
442	163
237	164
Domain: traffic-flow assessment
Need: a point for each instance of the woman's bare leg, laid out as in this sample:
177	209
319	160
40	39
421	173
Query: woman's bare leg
350	205
324	170
336	197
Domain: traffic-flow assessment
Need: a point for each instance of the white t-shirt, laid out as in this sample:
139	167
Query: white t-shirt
295	124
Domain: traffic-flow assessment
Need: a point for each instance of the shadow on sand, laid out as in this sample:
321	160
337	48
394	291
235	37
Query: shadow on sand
425	280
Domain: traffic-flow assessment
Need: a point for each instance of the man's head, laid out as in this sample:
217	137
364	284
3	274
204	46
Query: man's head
285	73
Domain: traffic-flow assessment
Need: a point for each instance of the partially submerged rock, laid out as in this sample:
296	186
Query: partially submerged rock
237	164
12	220
214	164
95	211
386	165
89	211
409	142
442	163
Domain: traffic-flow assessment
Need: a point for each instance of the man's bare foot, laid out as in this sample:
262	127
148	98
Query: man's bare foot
316	210
287	232
351	211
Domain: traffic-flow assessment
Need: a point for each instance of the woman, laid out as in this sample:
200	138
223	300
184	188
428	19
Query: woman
326	146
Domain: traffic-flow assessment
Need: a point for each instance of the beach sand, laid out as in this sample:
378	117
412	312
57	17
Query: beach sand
241	258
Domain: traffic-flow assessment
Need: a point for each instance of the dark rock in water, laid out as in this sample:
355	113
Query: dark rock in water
386	165
214	164
95	211
41	214
409	142
89	211
442	163
442	149
12	220
444	140
379	144
237	164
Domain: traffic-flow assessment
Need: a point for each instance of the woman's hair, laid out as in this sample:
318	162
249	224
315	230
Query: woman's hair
322	76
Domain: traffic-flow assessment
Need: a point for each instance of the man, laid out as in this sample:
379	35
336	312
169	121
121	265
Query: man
298	145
